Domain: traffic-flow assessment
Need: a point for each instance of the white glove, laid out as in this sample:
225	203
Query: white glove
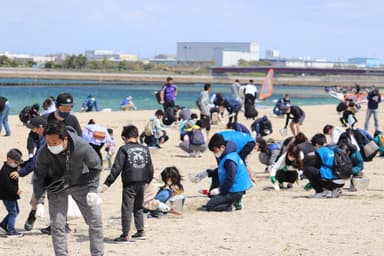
163	207
195	178
93	199
283	132
40	211
214	192
102	188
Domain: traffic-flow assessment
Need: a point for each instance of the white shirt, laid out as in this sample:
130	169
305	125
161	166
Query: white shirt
250	89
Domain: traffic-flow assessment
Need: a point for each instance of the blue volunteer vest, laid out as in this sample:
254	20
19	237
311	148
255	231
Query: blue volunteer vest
242	181
240	138
326	155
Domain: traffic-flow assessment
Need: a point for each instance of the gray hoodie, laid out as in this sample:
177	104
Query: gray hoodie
84	166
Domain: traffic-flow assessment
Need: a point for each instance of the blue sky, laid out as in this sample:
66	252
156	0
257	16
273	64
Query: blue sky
333	29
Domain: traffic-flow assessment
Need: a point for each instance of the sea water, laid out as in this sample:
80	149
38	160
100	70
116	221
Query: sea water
109	94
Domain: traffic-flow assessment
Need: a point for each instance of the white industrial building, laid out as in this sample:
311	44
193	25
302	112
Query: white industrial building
222	54
109	55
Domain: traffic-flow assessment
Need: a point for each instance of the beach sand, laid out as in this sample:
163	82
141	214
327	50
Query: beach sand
271	223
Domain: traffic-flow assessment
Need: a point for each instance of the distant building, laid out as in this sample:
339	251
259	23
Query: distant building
368	62
272	54
25	58
221	54
310	63
109	55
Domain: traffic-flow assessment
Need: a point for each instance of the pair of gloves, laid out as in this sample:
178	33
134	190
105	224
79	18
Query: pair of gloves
93	199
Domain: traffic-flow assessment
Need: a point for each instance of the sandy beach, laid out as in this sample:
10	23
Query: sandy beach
271	223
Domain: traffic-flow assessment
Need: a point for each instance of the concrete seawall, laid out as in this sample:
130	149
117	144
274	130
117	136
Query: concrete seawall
327	80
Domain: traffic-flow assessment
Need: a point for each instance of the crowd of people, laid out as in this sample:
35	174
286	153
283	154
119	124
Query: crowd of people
66	160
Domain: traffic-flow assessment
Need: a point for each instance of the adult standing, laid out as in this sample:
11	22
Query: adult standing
250	93
374	98
4	111
64	105
68	165
235	90
168	94
203	103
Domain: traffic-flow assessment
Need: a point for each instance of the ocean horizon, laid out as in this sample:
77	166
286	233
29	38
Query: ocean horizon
109	94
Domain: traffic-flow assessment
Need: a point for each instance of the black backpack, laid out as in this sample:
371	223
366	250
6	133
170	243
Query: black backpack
250	111
342	164
169	116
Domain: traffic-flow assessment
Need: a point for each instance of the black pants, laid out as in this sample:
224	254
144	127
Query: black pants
313	175
249	99
288	176
31	142
168	104
221	203
328	184
133	199
205	122
97	148
232	118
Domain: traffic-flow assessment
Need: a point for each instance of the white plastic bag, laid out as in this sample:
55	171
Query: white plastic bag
73	211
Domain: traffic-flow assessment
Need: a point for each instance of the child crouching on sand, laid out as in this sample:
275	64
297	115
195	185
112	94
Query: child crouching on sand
171	190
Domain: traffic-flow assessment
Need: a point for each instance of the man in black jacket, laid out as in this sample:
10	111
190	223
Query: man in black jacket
134	161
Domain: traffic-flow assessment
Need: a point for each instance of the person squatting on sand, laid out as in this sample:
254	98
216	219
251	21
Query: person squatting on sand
194	140
232	176
68	165
322	176
157	195
134	162
154	133
286	167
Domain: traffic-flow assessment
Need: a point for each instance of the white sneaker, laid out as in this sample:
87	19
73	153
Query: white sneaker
320	195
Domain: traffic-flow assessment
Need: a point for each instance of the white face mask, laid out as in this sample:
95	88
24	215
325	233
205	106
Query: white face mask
218	154
13	165
56	149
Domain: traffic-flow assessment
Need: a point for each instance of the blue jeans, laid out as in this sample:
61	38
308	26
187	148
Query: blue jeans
4	120
13	210
375	113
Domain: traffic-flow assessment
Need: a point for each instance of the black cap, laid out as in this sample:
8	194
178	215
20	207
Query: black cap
15	154
36	122
64	99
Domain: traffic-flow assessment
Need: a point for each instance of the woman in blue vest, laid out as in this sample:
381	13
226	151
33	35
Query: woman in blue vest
232	173
321	176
